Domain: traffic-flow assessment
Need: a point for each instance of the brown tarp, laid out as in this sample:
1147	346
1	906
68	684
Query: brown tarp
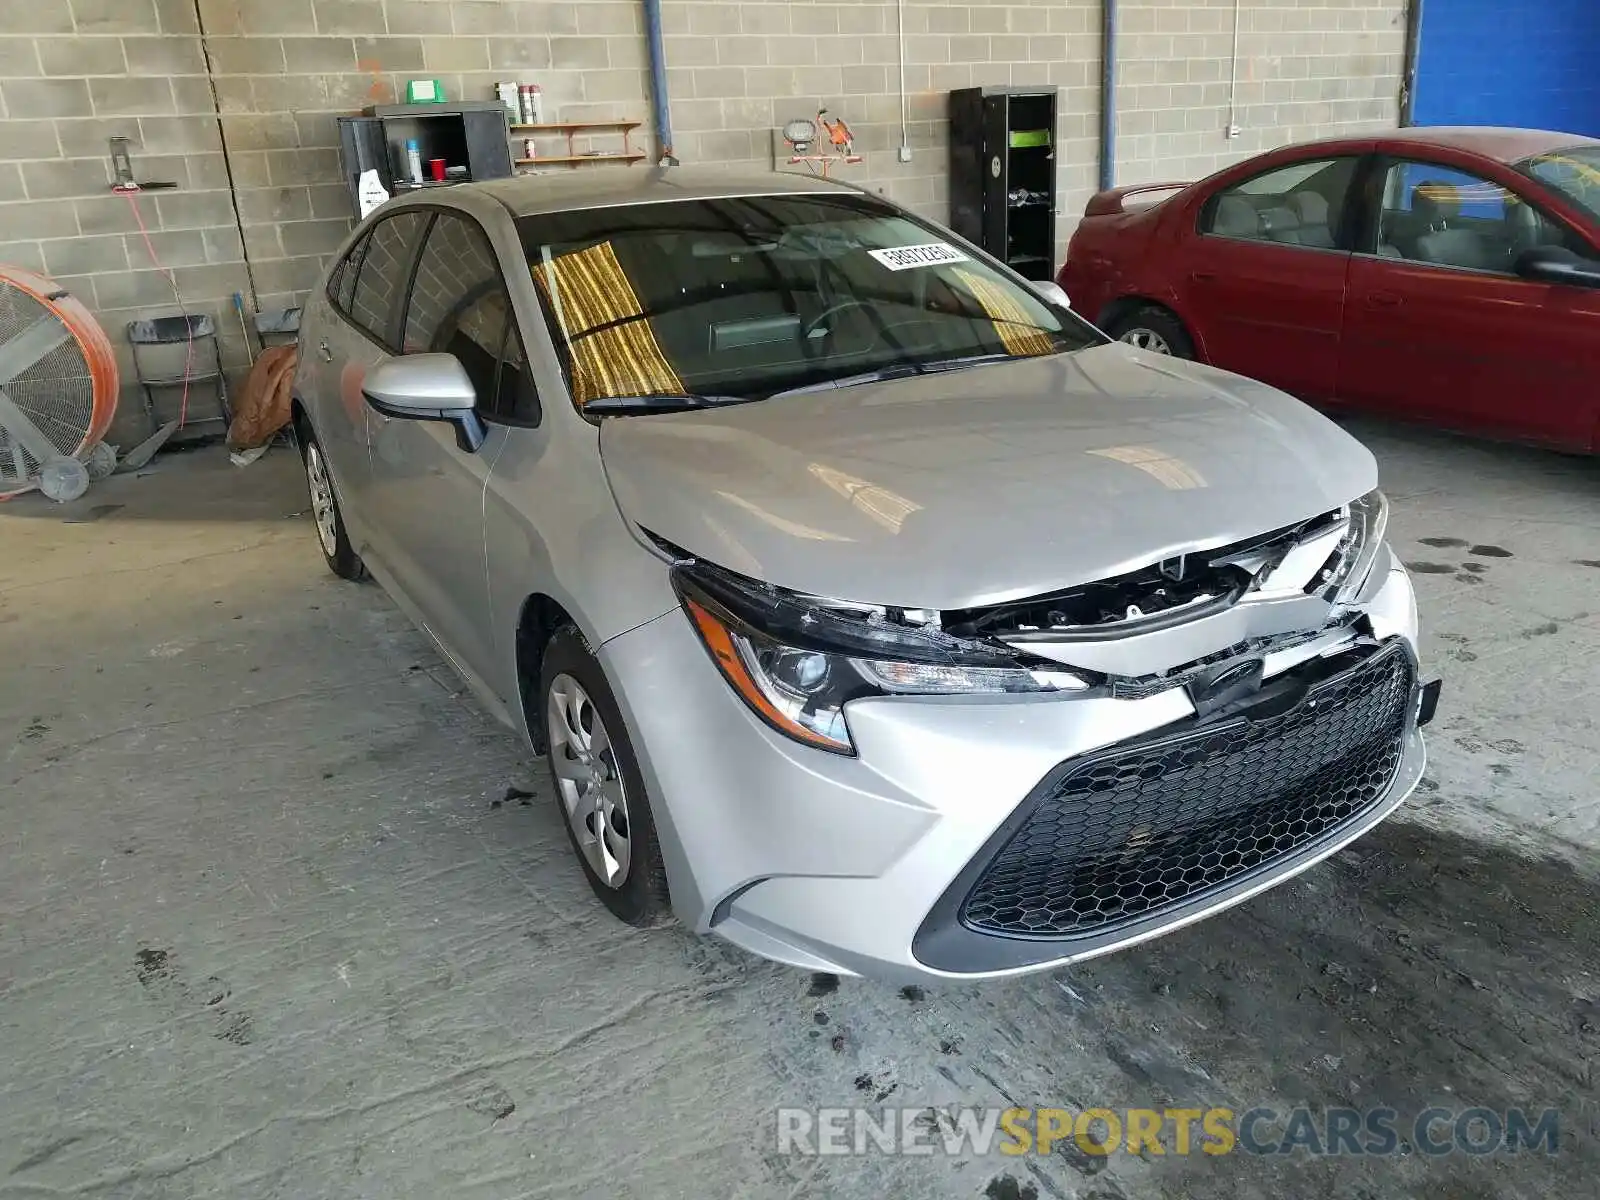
262	408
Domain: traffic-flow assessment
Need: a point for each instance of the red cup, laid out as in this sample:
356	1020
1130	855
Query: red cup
436	169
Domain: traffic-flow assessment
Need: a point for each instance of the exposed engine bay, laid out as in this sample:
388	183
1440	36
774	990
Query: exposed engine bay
1174	590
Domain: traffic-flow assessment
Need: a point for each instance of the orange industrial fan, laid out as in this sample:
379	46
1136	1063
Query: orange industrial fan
58	389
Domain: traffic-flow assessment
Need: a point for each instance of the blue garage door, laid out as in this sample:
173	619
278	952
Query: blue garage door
1533	63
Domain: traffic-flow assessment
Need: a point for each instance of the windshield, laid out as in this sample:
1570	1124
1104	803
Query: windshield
745	297
1575	173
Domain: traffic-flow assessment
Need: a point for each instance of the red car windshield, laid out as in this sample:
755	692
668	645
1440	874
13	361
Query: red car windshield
1575	173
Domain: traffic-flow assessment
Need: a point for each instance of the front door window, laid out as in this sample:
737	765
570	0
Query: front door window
1446	217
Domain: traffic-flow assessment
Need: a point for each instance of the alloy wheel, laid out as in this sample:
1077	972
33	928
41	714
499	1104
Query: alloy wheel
1147	339
593	794
322	500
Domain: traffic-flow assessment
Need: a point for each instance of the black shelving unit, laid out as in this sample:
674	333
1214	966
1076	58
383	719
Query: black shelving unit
471	134
1003	174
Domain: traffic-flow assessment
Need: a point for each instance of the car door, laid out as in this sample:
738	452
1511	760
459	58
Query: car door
362	331
1263	277
342	429
1440	327
429	489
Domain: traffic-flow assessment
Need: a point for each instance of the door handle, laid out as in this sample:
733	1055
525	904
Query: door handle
325	350
1384	300
1203	276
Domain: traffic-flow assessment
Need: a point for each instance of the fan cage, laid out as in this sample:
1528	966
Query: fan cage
70	394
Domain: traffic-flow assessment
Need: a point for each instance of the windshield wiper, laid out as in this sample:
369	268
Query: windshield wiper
903	370
661	402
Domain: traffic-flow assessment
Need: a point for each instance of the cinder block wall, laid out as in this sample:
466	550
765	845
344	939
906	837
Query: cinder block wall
284	69
1305	69
739	70
242	118
73	75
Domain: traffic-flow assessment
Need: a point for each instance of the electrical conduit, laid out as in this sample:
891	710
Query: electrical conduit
660	104
900	34
1108	95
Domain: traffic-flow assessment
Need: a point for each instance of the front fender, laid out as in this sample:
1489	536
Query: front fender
552	528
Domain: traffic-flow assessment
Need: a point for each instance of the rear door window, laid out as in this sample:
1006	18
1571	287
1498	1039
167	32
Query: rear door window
342	283
1302	204
384	271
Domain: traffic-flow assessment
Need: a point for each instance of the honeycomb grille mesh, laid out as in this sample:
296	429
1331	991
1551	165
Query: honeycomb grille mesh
1130	833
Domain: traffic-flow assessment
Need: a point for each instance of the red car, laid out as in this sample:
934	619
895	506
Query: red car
1445	275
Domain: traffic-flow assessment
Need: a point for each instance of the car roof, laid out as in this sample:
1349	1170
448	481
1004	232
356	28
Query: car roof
1500	144
1505	145
601	187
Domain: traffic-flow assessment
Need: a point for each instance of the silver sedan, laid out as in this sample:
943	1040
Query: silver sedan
872	610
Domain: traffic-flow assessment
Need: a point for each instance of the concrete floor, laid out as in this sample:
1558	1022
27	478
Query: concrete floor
268	927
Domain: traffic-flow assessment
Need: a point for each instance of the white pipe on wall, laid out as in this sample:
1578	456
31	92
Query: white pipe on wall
905	128
1233	85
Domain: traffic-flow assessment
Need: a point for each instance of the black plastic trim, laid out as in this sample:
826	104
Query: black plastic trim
1428	703
784	617
470	430
724	908
1137	627
943	943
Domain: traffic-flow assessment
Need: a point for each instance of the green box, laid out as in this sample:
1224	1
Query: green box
424	91
1026	139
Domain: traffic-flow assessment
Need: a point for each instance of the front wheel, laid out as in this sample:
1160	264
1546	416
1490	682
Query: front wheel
341	556
1154	329
598	785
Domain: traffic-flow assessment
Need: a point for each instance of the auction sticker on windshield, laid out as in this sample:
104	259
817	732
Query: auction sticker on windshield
929	254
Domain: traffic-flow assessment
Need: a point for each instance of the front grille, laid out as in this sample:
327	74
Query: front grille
1124	834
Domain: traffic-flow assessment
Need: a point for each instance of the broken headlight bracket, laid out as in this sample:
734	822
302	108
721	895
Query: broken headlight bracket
796	662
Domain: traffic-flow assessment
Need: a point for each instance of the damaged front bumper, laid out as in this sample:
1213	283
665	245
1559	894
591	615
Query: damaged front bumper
876	864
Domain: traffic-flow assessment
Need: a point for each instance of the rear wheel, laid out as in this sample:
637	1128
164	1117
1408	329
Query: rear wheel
341	556
1155	329
598	785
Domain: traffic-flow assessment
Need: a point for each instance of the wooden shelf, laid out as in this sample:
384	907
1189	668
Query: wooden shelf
575	126
575	159
572	130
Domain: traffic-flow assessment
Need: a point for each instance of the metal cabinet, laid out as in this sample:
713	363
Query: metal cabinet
1003	174
470	135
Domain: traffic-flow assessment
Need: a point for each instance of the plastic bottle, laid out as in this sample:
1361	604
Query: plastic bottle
414	160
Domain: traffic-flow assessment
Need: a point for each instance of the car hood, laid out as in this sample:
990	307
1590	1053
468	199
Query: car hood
986	484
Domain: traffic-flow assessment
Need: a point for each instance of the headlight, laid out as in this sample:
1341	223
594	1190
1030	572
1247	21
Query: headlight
1347	570
797	663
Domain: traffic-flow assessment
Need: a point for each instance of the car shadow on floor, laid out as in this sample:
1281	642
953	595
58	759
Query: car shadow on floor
1415	969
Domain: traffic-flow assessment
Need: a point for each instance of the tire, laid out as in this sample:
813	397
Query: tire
571	681
340	555
1155	329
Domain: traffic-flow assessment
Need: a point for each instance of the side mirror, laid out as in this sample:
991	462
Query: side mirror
1053	292
1557	264
427	387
